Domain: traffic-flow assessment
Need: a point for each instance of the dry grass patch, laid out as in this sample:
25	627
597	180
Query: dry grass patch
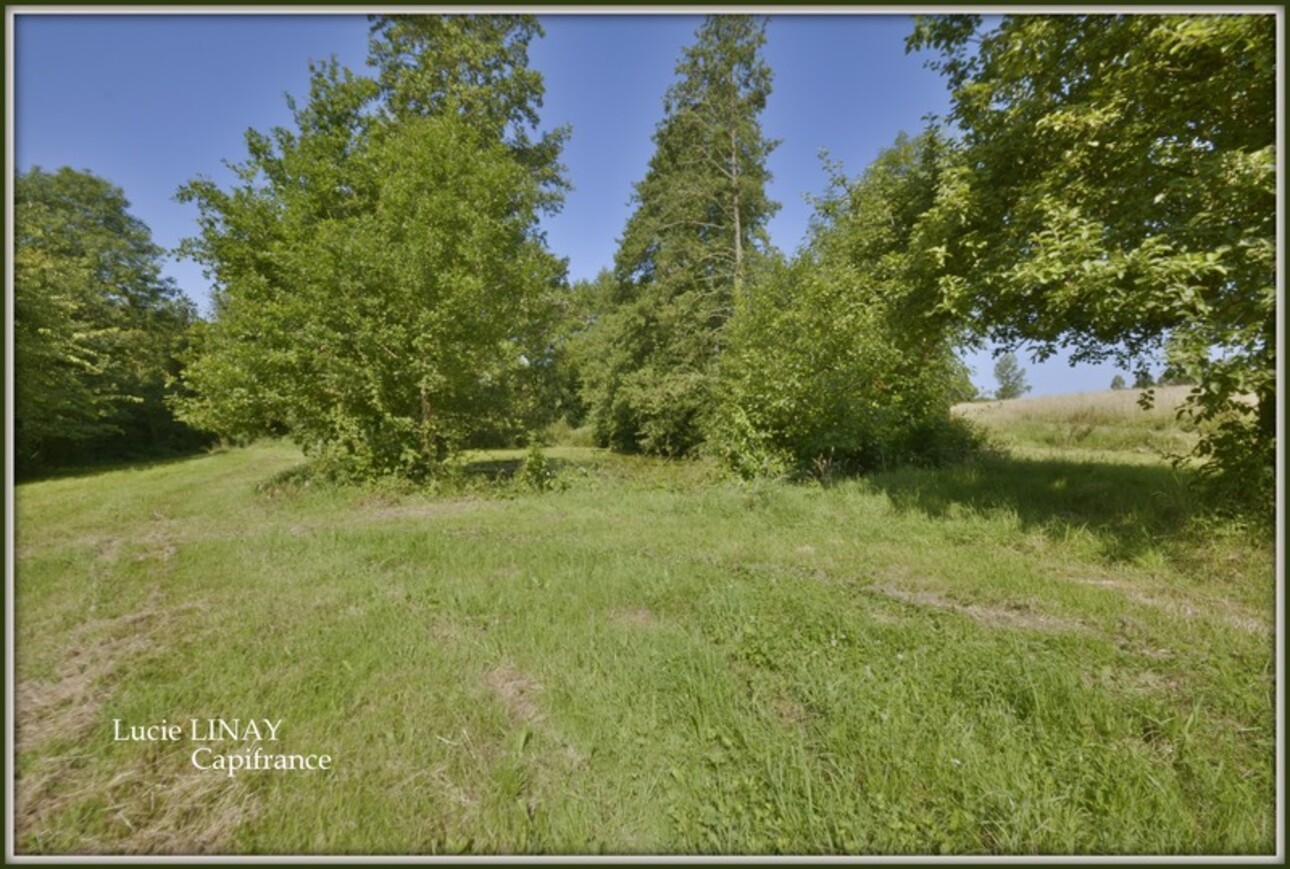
640	618
1179	605
154	805
142	809
65	708
1119	405
788	712
422	510
517	691
1016	616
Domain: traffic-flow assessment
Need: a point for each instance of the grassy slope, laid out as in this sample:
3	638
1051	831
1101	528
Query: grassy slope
1040	652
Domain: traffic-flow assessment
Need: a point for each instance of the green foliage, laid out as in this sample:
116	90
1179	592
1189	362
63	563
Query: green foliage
699	224
1118	193
1011	377
961	387
1175	375
829	363
476	67
1117	382
743	441
384	295
96	326
535	471
580	346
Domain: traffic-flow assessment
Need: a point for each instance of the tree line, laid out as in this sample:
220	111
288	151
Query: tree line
1102	185
98	332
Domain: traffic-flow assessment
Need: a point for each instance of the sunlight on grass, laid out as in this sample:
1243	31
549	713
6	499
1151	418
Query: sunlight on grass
1110	425
1024	654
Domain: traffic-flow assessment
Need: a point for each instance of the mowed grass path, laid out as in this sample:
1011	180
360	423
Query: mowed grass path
1014	656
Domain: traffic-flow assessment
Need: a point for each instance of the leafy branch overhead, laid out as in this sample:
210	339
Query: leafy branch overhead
1116	196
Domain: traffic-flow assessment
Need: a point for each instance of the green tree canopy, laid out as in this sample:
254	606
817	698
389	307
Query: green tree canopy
96	326
1118	193
383	292
829	358
700	218
476	67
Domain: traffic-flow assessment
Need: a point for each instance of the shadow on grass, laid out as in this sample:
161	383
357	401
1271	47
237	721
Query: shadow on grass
504	470
1130	507
94	468
480	476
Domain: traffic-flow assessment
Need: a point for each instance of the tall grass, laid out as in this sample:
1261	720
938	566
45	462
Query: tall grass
1108	422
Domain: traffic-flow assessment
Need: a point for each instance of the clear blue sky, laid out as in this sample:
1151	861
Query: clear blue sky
151	101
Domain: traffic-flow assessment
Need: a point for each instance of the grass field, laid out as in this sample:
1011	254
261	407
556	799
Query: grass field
1090	422
1050	649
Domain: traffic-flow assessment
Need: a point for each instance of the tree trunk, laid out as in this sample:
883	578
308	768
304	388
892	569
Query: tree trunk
427	447
734	183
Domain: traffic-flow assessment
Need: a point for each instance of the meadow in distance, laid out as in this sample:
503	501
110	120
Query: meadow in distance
718	553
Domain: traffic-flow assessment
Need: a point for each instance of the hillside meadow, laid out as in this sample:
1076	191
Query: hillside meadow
1052	648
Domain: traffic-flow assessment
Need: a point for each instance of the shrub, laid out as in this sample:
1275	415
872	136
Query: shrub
535	471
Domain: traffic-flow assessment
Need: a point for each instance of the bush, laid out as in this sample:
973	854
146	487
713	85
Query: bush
833	364
535	471
814	370
939	442
746	450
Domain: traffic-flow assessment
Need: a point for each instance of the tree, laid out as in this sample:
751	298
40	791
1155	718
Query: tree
383	291
96	326
1117	382
580	346
1142	379
474	66
961	389
828	362
699	224
1117	193
1011	377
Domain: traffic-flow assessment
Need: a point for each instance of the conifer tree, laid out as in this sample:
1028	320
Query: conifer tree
701	213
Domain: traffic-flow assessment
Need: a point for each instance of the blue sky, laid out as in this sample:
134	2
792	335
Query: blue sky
151	101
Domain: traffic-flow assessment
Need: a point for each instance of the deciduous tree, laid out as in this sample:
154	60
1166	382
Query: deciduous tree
96	326
383	291
1010	376
1118	193
830	362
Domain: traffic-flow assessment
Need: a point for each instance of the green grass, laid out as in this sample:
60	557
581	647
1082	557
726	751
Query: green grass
1038	652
